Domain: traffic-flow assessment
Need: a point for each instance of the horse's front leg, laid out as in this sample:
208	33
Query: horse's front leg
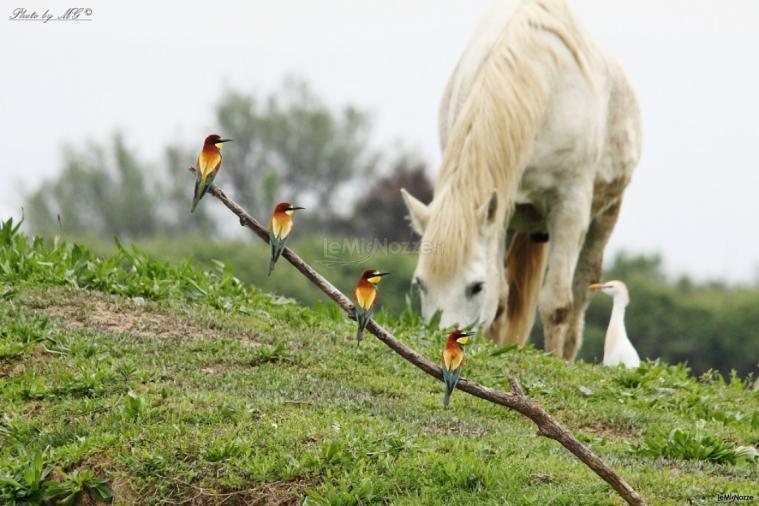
568	219
588	271
498	331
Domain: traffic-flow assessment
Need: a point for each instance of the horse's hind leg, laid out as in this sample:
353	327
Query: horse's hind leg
588	271
567	221
524	267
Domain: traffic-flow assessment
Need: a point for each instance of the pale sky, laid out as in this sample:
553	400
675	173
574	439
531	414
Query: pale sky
155	71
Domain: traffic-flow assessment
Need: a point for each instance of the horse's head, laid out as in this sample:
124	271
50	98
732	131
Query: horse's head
460	271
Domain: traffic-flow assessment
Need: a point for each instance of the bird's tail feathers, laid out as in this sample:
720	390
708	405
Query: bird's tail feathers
277	246
272	250
362	317
447	396
451	379
201	186
359	335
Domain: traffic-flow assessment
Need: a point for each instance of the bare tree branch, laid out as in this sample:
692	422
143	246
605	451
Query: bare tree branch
516	399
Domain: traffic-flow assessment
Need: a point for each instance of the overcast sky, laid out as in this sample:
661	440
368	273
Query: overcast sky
155	71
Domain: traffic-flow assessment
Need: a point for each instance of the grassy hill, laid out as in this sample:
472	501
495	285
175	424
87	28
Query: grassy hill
708	324
160	383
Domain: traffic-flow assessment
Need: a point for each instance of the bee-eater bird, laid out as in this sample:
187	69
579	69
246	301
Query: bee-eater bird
209	163
617	346
453	360
280	226
364	297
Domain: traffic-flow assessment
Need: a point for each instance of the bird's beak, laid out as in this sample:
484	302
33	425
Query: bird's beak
225	140
380	274
295	208
464	337
596	286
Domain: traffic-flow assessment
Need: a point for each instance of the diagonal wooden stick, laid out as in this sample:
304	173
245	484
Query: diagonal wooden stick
516	400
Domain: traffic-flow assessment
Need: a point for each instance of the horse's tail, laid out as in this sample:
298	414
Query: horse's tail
525	266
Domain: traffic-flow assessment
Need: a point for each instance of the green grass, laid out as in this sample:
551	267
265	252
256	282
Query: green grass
166	384
250	258
709	325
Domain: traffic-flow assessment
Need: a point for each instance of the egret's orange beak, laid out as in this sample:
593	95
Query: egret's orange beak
596	286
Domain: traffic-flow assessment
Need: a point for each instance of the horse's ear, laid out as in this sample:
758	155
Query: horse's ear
487	212
417	211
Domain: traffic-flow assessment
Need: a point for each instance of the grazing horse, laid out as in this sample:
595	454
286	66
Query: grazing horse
540	132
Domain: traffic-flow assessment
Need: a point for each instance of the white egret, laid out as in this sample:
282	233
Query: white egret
617	347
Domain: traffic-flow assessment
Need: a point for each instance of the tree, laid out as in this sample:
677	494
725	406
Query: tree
380	212
706	324
175	189
106	190
290	146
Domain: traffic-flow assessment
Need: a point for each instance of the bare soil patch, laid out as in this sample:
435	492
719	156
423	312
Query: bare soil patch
117	315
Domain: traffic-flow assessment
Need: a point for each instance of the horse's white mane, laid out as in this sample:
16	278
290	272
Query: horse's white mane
486	148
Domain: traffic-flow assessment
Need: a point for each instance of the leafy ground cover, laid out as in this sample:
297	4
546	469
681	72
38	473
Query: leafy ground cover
155	382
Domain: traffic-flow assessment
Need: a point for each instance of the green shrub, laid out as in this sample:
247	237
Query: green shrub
683	444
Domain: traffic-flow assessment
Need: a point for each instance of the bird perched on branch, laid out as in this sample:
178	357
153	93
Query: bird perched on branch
453	360
617	347
364	297
209	163
280	226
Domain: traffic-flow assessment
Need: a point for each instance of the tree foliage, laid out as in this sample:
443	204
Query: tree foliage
709	325
291	146
106	190
380	212
288	145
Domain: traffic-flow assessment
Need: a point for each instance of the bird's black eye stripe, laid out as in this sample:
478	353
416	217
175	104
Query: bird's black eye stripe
474	288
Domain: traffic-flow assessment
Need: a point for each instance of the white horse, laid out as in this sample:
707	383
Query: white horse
540	132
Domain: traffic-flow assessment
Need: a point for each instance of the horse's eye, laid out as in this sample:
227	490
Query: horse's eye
474	289
418	283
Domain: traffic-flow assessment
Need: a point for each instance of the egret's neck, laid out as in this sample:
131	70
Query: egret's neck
616	331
